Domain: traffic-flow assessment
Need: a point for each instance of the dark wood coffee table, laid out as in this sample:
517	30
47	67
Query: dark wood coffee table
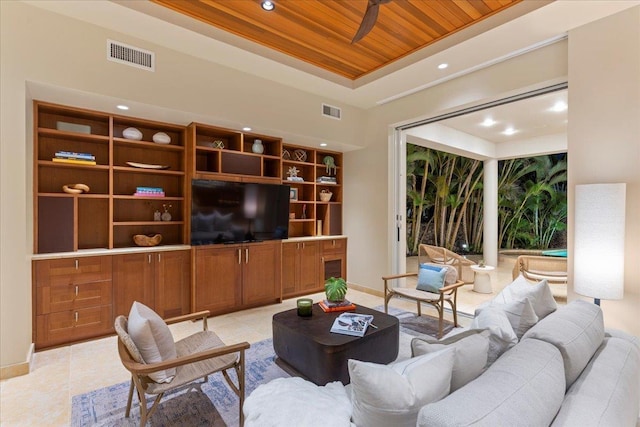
306	345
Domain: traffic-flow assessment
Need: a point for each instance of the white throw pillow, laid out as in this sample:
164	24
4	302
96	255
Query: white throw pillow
472	350
520	313
153	339
392	395
502	335
539	294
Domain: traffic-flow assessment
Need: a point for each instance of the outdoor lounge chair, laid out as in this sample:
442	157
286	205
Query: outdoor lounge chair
537	268
198	356
440	255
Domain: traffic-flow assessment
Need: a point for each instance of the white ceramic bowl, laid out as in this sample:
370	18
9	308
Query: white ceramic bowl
161	138
132	133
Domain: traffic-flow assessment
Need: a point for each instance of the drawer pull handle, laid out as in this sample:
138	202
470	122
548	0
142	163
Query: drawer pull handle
158	256
76	316
246	256
77	264
239	256
76	290
149	256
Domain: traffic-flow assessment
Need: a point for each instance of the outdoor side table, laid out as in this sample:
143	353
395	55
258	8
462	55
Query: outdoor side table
482	279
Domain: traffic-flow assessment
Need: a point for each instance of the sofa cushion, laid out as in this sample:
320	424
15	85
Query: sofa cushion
392	395
520	313
153	339
502	337
294	401
525	387
539	294
577	330
470	358
607	393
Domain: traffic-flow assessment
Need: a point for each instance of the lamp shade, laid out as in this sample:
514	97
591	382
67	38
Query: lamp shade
599	240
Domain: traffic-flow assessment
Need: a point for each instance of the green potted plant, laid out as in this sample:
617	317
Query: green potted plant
335	289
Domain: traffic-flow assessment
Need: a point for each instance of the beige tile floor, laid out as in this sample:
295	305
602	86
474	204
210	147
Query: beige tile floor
43	397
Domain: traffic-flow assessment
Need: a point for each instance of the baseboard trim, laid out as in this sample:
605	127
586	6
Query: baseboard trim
366	290
18	369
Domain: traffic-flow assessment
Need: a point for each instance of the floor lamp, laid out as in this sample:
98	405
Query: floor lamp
599	241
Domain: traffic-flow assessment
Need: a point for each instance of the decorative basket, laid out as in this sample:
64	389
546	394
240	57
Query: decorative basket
150	240
325	195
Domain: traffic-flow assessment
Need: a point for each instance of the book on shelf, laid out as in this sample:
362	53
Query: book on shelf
149	192
74	161
327	180
74	155
353	324
160	194
330	306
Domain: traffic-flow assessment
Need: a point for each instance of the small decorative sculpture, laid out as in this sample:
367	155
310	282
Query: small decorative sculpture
330	163
166	216
157	215
293	174
217	144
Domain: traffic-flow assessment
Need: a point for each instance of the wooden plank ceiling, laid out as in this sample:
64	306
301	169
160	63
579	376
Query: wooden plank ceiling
320	31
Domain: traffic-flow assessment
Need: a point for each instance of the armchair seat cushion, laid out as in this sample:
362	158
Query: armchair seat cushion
417	294
200	341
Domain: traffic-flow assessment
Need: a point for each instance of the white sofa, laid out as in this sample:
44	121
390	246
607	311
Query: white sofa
565	370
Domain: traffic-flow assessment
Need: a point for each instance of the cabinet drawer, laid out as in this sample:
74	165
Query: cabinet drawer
72	325
66	271
334	245
52	299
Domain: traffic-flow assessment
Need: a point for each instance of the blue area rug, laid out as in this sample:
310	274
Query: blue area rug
211	404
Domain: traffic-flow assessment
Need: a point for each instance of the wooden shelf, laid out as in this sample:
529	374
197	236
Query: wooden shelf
152	223
95	220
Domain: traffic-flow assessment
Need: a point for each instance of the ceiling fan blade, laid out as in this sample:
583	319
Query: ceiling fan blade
368	21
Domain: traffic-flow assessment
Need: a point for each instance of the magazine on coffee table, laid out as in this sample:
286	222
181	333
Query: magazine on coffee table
352	324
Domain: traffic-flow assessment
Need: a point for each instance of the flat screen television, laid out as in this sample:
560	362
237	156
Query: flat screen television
233	212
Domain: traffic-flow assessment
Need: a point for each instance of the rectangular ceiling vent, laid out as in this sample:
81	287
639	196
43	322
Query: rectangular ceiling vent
331	111
131	55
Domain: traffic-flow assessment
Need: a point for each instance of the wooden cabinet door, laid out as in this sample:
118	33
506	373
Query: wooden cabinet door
218	278
172	285
133	277
309	262
261	273
290	269
334	259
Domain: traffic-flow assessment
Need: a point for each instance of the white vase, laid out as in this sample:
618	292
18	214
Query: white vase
257	147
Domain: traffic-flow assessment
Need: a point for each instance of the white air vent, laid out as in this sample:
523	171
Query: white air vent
331	111
131	55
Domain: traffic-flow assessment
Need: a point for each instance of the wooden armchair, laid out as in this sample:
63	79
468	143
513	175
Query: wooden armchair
440	255
448	293
198	356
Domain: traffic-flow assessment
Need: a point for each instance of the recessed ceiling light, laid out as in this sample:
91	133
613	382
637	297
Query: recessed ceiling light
122	107
323	144
488	122
442	66
509	131
268	5
246	128
559	107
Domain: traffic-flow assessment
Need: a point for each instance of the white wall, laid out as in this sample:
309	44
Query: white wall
604	137
41	49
